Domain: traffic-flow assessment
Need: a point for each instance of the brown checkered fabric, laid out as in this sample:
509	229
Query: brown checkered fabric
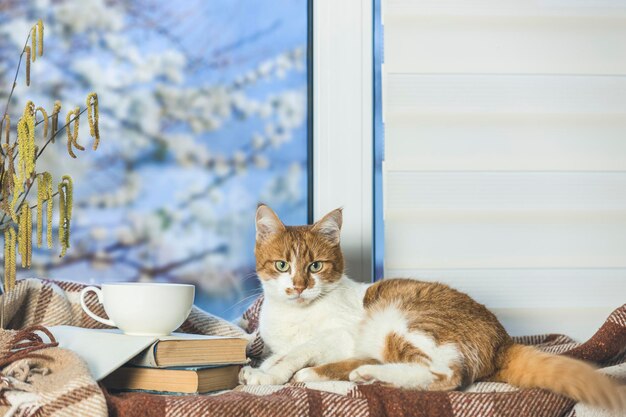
39	379
53	303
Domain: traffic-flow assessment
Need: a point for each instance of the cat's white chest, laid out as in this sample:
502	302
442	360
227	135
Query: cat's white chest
284	326
282	330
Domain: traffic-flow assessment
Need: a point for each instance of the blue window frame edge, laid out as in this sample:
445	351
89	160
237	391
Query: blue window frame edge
378	237
309	122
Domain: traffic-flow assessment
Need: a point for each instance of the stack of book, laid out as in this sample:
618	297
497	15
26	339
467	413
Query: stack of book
182	364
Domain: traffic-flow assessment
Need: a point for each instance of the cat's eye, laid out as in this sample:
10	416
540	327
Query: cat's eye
281	266
316	266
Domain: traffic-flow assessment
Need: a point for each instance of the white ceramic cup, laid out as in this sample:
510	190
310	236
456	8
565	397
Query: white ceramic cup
142	309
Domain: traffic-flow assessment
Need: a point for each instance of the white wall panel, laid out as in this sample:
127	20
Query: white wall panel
527	287
537	142
531	45
504	94
492	241
503	8
407	193
579	323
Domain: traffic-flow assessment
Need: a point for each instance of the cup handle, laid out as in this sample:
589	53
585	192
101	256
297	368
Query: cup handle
97	318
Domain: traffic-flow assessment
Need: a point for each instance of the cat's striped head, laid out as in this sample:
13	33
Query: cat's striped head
298	264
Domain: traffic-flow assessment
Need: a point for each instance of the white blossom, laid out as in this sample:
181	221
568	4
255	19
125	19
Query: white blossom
99	233
257	141
126	236
100	16
260	161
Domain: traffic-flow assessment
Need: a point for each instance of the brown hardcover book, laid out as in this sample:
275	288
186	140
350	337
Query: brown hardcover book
188	381
192	350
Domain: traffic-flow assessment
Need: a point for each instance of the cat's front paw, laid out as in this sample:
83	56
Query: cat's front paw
253	376
308	375
364	374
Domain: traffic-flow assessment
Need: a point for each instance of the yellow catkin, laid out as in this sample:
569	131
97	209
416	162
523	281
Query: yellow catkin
40	37
65	212
12	259
27	50
61	219
26	156
7	180
69	133
49	207
92	116
9	259
25	235
55	119
40	200
72	134
6	187
29	158
44	114
75	131
18	178
21	241
41	197
33	40
22	237
17	189
7	128
44	196
9	173
69	198
13	262
7	254
29	231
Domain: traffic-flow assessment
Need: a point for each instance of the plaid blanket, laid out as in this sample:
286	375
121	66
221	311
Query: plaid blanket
39	378
52	303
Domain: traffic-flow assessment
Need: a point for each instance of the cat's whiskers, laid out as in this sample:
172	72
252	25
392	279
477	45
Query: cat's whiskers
256	294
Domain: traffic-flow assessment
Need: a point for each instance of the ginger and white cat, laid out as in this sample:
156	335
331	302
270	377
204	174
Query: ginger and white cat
320	325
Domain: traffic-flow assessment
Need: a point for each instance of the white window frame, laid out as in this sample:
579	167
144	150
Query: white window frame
343	124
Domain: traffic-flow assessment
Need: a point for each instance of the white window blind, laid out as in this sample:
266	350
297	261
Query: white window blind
505	154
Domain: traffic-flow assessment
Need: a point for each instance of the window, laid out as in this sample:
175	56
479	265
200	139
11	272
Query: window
204	113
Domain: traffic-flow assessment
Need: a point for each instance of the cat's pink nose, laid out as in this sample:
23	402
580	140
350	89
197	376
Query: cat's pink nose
299	289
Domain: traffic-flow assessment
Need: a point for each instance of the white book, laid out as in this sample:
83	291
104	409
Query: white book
105	350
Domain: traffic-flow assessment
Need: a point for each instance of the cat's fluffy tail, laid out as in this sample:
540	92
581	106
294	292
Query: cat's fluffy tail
528	367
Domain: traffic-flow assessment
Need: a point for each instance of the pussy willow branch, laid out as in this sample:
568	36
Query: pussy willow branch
17	71
6	110
32	179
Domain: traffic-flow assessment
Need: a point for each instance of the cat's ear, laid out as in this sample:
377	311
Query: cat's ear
267	223
330	225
